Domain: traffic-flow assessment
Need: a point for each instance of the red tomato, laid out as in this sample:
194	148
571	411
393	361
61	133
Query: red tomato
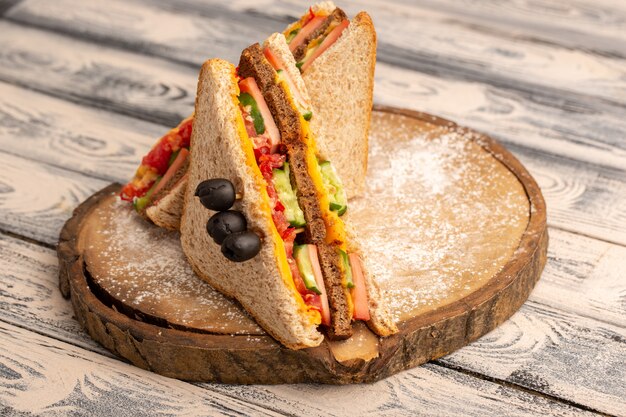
159	157
130	191
184	132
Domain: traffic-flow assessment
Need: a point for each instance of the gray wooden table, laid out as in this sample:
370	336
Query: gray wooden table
87	86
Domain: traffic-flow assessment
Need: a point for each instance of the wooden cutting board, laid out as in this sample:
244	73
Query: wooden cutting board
452	225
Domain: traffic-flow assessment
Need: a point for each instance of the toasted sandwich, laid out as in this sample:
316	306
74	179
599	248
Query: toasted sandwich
336	58
281	249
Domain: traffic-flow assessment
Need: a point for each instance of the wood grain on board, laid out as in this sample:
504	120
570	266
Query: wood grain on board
436	45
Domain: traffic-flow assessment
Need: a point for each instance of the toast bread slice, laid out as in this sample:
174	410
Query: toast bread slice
220	148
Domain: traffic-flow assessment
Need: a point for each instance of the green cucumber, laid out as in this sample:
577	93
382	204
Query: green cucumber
292	35
141	203
173	158
301	255
334	186
287	196
347	268
246	100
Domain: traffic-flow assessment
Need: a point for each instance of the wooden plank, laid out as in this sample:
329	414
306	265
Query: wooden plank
36	199
43	376
75	137
6	5
584	276
598	26
159	91
464	52
149	88
556	353
31	299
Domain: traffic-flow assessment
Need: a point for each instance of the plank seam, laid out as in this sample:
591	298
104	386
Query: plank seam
27	239
574	232
522	388
6	5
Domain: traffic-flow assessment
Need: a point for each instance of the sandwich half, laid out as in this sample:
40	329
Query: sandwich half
251	129
336	57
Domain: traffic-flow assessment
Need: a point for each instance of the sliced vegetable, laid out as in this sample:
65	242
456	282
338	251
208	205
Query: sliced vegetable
304	33
334	187
359	292
287	196
141	203
301	255
348	282
248	102
292	35
173	158
248	85
326	43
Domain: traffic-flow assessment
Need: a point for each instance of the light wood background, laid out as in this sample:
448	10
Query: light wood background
87	86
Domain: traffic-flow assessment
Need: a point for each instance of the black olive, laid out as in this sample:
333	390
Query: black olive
239	247
216	194
223	223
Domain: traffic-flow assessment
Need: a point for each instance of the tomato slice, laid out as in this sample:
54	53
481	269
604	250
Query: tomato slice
171	171
359	292
248	85
319	279
305	31
326	43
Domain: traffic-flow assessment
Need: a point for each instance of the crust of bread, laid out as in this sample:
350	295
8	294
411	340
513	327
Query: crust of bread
279	47
340	83
220	148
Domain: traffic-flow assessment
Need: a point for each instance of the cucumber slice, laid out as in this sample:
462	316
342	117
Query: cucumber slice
287	196
142	202
347	268
173	158
334	187
301	255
